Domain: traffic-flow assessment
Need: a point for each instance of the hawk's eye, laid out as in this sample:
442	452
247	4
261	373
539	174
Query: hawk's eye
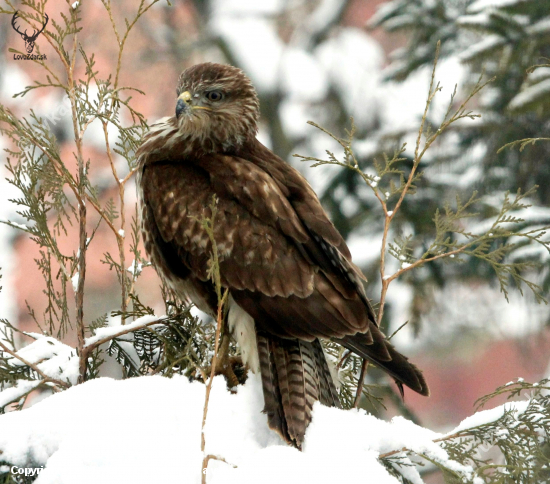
214	95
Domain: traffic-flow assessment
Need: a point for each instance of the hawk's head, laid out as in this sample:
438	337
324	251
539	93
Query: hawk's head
218	104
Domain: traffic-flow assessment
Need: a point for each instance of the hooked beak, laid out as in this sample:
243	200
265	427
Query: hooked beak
185	104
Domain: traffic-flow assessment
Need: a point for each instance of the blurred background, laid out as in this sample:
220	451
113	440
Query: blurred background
327	61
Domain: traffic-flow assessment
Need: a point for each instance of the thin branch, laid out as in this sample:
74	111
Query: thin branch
81	185
219	325
34	367
130	329
417	158
120	238
361	383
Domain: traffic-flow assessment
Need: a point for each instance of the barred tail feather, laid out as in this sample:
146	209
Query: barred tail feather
328	394
295	375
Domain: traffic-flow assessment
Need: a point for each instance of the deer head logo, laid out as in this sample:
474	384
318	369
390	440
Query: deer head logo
29	39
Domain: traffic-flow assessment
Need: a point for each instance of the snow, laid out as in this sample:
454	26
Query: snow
412	93
255	44
536	251
12	81
135	268
492	4
459	308
353	61
491	415
74	281
538	28
294	117
365	248
530	95
469	176
383	11
14	393
538	74
15	224
302	76
489	43
246	7
326	11
479	20
539	215
115	329
55	359
148	429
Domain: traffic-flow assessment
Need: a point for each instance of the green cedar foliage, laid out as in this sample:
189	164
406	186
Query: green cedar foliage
509	41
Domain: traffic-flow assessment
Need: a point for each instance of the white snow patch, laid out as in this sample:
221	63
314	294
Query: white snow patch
246	7
113	330
302	76
71	434
256	45
353	61
294	116
365	249
74	281
541	27
20	389
135	268
492	4
487	44
15	224
55	359
478	307
530	95
491	415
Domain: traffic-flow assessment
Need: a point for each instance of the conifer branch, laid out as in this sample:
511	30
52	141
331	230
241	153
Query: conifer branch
35	368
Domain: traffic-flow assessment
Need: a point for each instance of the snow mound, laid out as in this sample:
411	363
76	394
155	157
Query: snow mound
148	429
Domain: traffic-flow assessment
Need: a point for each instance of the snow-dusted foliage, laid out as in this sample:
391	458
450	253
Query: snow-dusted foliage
507	39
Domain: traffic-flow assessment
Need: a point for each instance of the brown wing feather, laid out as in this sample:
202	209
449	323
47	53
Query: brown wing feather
254	255
325	246
289	205
299	193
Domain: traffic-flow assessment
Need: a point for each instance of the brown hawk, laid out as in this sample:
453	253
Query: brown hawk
289	272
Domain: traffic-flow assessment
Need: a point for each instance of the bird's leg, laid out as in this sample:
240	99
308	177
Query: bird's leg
226	365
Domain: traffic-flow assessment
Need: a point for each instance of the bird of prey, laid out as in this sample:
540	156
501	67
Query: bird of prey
288	271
